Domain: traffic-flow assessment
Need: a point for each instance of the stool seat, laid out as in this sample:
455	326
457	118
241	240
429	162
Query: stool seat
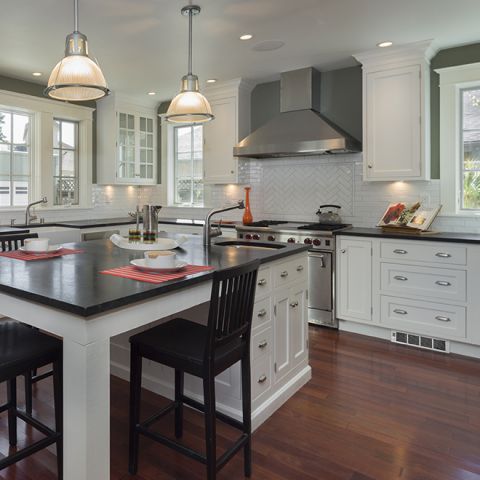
181	343
20	346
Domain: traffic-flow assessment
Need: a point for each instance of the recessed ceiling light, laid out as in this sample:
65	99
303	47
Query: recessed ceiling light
268	46
385	44
212	80
247	36
152	93
37	74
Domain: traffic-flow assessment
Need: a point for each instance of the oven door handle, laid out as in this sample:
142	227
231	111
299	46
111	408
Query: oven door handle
320	257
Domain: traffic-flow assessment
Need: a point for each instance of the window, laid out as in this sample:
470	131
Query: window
65	162
15	158
188	165
460	139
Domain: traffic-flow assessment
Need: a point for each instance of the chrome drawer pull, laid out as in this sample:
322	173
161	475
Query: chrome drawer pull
262	379
262	344
443	255
400	312
441	318
443	284
399	277
284	274
294	304
300	268
400	252
262	282
262	313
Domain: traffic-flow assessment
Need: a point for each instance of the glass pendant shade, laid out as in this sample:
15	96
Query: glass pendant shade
189	106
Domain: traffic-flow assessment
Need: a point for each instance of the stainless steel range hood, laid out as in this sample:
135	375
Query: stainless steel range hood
300	129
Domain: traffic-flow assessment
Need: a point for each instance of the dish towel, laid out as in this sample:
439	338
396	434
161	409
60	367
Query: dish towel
129	271
19	255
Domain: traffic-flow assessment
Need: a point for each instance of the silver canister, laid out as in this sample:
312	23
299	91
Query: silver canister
150	218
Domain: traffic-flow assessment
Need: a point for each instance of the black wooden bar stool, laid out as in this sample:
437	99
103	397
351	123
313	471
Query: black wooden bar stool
23	349
202	351
14	242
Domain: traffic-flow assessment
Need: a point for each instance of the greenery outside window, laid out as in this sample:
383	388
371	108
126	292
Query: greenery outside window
65	162
15	158
188	165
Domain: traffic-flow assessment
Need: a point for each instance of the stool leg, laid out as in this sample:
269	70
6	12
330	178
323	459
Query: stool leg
178	403
135	397
210	427
58	404
12	411
247	414
28	392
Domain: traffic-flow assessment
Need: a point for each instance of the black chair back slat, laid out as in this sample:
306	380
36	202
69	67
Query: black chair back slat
14	242
231	307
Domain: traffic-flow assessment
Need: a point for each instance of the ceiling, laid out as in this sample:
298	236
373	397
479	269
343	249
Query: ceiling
141	44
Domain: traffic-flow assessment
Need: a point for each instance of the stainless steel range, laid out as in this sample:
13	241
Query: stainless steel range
321	260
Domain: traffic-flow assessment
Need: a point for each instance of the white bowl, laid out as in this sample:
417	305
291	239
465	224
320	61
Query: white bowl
160	259
36	244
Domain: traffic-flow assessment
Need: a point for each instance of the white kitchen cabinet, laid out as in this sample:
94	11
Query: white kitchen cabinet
126	143
354	279
396	111
230	102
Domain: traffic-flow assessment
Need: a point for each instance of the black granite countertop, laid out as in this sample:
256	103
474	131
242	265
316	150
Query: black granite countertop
12	230
430	237
73	282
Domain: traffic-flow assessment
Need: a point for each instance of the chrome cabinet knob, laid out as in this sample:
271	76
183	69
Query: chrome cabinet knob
300	268
284	274
262	344
262	379
441	318
342	250
262	282
294	304
443	255
261	313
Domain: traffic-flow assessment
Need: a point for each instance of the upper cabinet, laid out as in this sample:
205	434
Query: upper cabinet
396	112
230	102
126	143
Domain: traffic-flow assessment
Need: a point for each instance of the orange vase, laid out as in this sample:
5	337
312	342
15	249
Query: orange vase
247	216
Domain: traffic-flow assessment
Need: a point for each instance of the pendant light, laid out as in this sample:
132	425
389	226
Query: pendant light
77	77
189	106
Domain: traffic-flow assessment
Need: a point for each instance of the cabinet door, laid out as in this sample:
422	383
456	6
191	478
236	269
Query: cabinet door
146	154
354	279
298	325
220	136
126	147
393	149
281	332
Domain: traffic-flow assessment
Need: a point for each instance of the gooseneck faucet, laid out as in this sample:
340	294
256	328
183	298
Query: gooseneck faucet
208	231
29	218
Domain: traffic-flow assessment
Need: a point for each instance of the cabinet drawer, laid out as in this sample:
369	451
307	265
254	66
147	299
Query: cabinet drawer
416	316
264	282
291	271
261	344
261	377
441	253
424	281
262	313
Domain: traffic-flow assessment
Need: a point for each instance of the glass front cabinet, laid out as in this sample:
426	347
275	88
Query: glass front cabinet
126	143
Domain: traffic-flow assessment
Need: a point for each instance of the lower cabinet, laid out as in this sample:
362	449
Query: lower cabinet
354	279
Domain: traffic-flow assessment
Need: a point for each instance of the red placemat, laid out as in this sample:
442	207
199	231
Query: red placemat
19	255
129	271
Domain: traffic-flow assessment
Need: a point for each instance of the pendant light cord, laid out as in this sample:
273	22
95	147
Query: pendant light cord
75	15
190	15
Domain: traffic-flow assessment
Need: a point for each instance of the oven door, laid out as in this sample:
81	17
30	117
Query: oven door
320	299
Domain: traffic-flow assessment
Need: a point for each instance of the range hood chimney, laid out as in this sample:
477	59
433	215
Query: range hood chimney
300	129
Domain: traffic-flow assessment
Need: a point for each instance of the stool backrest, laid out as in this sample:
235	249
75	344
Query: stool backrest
15	241
231	306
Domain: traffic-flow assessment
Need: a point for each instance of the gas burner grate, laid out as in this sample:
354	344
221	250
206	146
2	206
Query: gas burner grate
323	226
266	223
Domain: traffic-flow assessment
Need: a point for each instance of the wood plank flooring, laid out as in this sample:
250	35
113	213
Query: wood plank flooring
373	410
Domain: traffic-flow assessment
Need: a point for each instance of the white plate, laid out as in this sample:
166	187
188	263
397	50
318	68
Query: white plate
140	264
160	244
51	249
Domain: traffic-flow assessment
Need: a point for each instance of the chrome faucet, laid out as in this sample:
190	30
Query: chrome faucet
208	231
29	218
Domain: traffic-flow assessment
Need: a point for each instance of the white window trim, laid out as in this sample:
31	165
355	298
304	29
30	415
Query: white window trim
43	111
452	81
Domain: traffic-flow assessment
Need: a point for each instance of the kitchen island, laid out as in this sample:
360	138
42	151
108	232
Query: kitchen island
69	297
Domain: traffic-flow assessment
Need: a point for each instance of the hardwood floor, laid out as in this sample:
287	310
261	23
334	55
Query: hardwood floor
373	410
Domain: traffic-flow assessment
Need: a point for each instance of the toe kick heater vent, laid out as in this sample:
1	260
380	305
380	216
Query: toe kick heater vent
421	341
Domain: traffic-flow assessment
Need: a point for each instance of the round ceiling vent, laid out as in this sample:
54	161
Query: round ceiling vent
268	45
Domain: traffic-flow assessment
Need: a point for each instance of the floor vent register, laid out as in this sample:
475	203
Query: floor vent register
421	341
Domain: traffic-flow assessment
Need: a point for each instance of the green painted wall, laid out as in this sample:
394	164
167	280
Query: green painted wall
449	57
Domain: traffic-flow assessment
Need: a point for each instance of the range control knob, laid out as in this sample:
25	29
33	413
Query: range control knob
291	240
256	236
248	236
271	238
308	241
316	242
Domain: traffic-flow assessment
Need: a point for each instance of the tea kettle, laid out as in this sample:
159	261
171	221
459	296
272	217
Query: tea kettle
150	218
329	214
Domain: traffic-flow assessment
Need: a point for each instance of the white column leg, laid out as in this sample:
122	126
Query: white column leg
86	396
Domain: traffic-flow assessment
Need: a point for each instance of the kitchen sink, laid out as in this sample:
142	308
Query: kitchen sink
242	245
